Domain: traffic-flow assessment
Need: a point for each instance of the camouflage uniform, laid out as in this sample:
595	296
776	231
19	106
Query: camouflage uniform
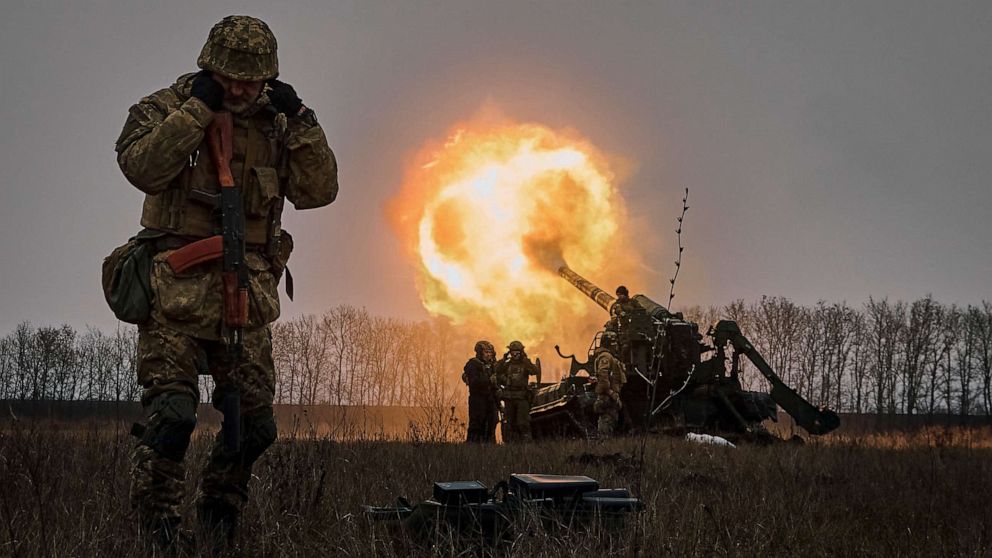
620	312
512	378
610	379
482	411
162	152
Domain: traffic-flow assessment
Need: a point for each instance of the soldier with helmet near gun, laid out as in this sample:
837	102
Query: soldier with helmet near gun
483	409
217	154
512	379
610	379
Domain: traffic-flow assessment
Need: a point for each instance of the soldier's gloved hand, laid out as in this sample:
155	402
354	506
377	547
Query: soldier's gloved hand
207	90
284	98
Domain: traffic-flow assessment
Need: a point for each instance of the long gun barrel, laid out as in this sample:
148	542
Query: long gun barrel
641	325
599	296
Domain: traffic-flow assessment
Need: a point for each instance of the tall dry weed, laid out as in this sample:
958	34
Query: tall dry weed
64	493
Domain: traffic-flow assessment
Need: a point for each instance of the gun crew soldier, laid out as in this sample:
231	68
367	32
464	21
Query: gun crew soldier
512	378
480	377
621	309
610	379
275	151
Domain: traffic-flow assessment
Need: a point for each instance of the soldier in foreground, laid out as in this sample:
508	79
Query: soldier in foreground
610	379
480	377
512	378
278	152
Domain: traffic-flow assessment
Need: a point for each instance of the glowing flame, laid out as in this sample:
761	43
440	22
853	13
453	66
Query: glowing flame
491	213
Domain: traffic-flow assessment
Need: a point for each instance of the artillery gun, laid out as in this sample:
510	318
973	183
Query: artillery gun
669	383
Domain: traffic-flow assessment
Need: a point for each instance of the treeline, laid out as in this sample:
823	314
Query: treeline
343	357
883	357
62	364
348	357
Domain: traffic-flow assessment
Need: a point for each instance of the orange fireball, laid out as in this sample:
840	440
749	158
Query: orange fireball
490	214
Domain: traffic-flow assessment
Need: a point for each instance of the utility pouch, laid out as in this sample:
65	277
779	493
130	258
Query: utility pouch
261	191
280	258
127	280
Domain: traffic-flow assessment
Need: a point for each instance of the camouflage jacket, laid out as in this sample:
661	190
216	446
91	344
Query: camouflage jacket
479	377
513	376
619	310
162	152
610	376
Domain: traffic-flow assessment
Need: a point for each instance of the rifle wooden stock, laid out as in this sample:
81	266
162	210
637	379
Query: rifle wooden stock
220	138
235	301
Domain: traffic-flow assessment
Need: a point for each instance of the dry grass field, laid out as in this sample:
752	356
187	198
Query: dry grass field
64	493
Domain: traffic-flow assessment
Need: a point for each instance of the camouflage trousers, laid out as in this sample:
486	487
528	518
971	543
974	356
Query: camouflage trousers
482	417
608	410
517	416
169	365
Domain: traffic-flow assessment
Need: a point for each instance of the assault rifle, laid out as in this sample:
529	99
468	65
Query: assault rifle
230	247
234	273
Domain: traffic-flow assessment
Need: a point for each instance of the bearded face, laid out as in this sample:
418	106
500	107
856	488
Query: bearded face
239	95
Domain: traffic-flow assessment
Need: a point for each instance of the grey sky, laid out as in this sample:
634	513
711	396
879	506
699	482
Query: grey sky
832	150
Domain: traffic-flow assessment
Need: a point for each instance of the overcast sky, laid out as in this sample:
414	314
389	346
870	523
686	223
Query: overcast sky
833	150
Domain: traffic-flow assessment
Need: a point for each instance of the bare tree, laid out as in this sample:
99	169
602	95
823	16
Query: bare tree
919	335
775	330
888	357
885	324
860	360
954	323
982	322
964	359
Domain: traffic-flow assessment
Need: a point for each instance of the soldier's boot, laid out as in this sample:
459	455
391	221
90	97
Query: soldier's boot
218	522
224	486
604	428
164	536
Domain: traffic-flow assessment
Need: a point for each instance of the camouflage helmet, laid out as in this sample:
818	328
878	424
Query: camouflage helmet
515	346
622	290
482	346
241	48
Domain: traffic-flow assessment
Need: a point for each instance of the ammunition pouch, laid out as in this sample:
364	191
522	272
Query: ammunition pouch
192	299
126	279
261	191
